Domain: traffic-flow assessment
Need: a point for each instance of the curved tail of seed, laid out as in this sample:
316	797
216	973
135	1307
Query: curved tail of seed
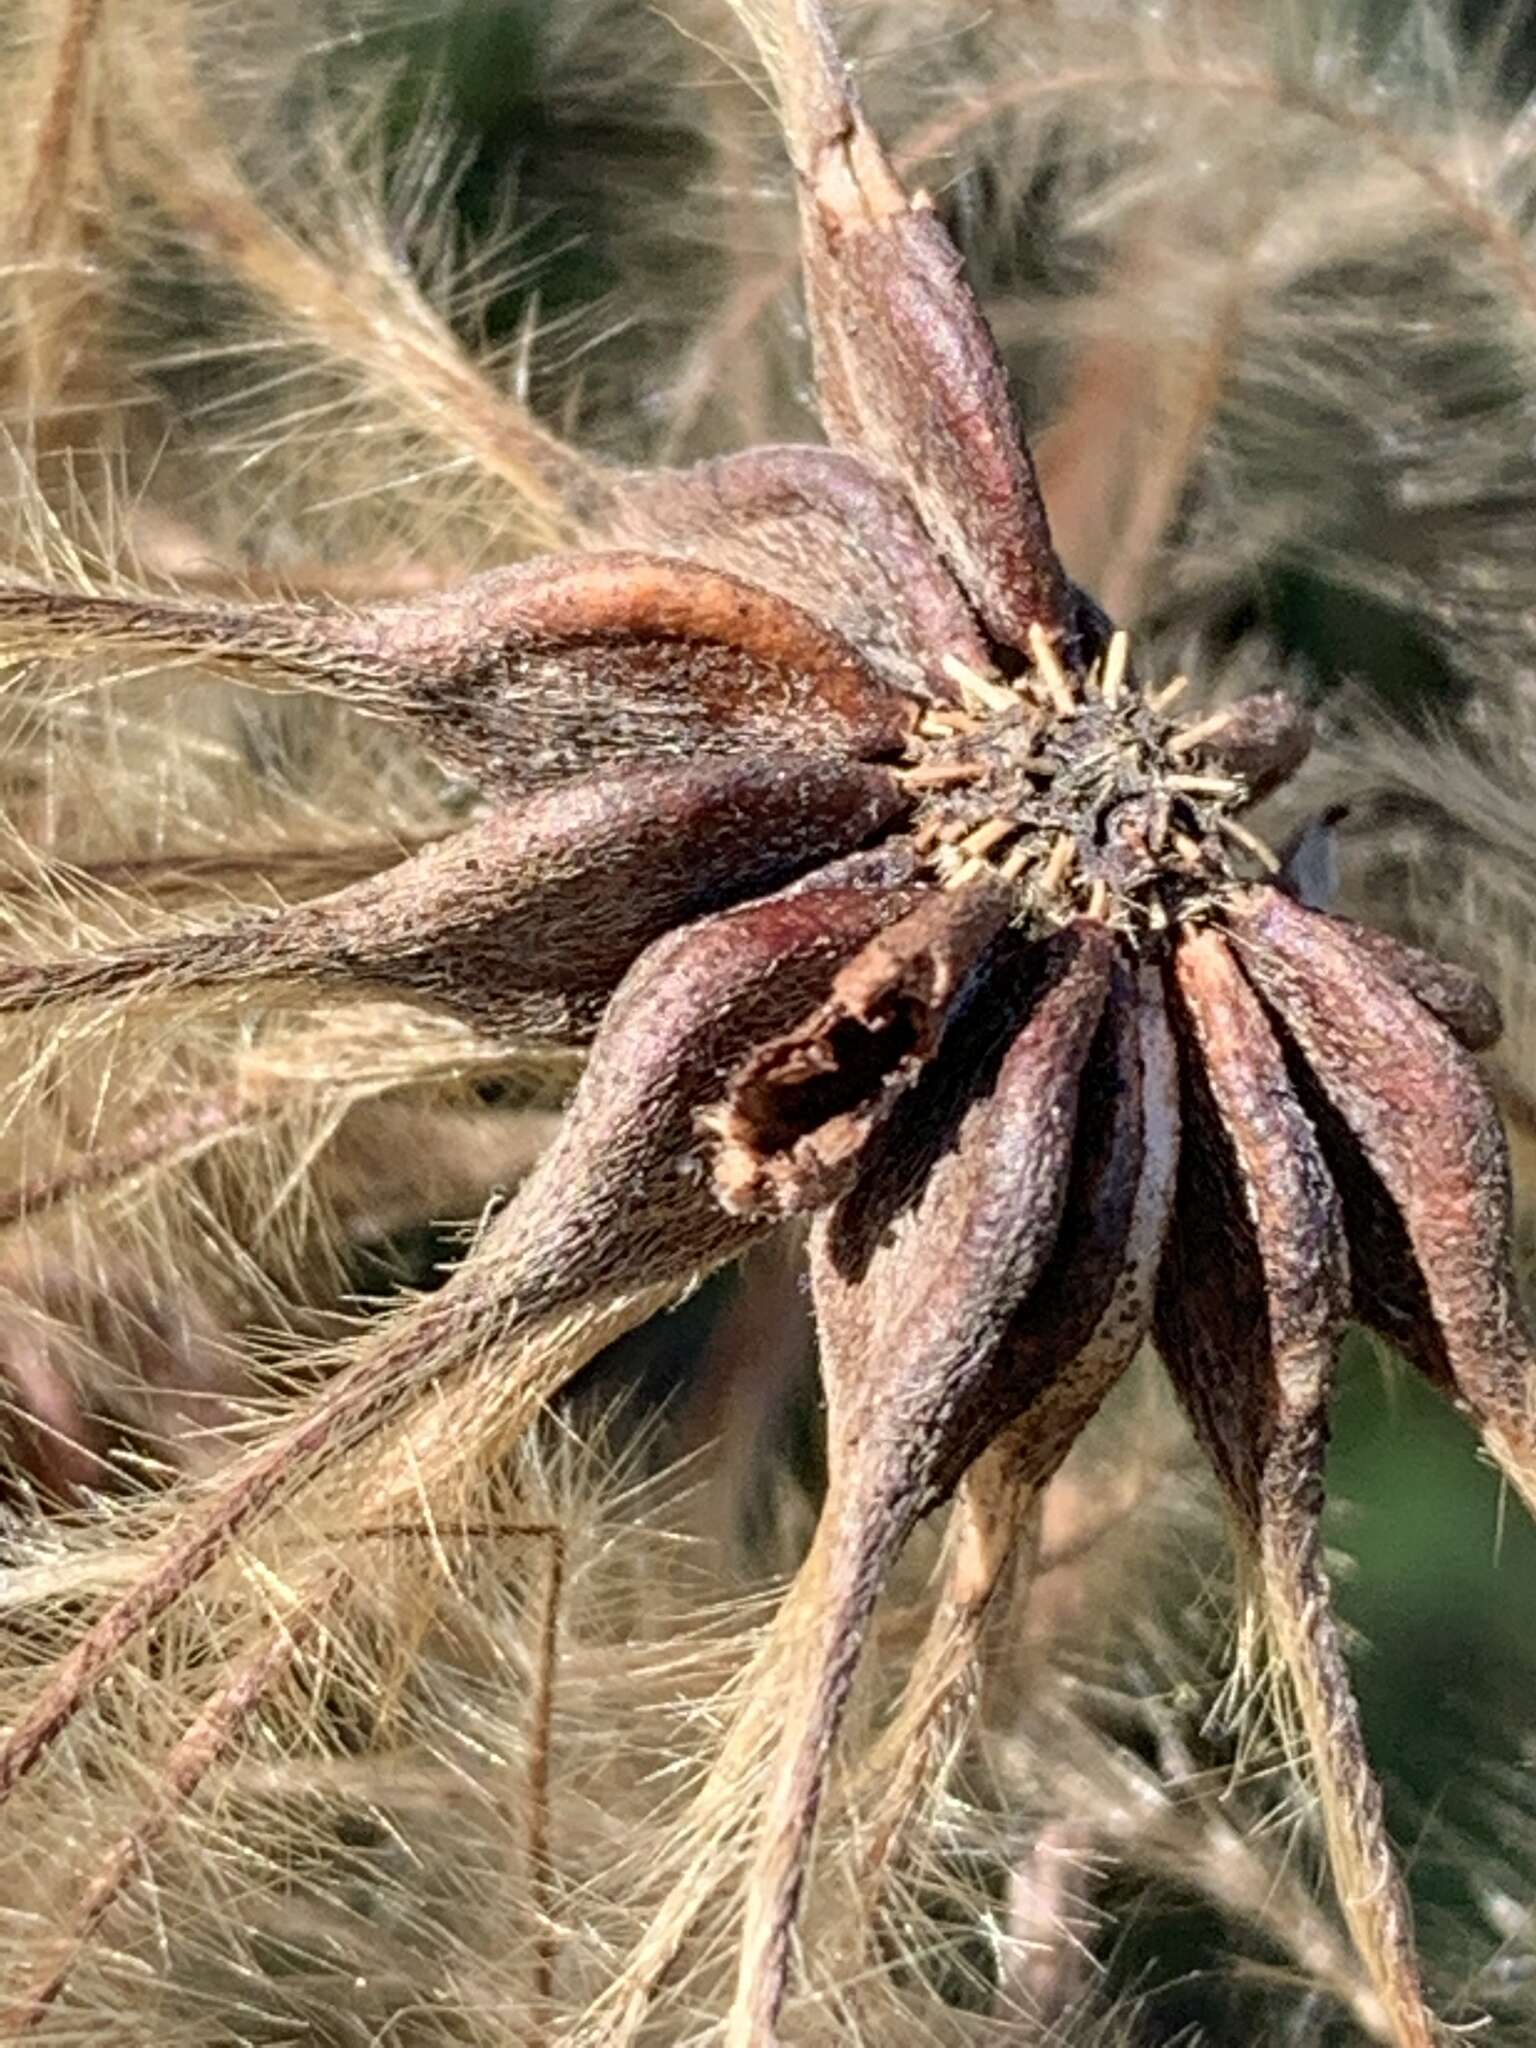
988	1530
1300	1622
266	643
255	949
866	1521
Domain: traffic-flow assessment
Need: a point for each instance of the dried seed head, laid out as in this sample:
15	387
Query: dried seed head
1080	790
1012	1021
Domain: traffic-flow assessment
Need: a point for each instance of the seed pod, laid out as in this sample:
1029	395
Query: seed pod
523	923
1249	1337
907	372
527	673
1262	740
827	532
917	1277
1423	1168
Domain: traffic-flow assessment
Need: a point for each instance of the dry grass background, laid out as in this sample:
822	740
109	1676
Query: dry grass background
270	320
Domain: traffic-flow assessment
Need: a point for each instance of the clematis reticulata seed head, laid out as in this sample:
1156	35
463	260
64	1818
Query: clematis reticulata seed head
884	888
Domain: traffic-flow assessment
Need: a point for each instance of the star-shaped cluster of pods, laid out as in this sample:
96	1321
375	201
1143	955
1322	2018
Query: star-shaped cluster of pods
884	890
